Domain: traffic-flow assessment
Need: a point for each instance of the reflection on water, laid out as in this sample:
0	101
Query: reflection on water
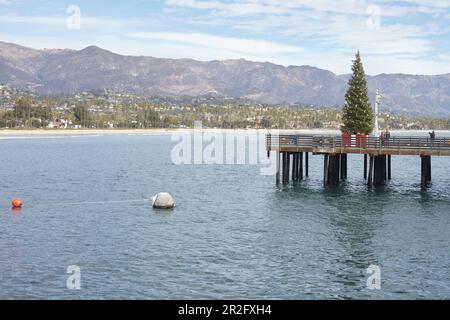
16	211
233	234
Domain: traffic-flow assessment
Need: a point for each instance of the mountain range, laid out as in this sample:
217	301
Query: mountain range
93	68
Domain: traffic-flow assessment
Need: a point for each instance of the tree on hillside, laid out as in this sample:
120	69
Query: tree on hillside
357	114
82	115
148	117
22	108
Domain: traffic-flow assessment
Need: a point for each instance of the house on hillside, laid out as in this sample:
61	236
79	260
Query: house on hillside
59	124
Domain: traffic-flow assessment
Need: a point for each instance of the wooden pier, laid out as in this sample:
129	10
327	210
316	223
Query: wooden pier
292	152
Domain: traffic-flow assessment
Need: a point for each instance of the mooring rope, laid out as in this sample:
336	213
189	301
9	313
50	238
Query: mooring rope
62	204
101	202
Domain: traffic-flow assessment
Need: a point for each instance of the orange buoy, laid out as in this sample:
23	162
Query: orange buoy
17	203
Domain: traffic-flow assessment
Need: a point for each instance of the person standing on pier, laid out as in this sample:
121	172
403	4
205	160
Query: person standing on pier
387	136
432	135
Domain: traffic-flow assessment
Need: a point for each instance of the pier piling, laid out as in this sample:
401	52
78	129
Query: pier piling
325	168
294	166
365	166
288	166
306	164
285	172
343	167
334	174
332	165
426	171
370	176
379	172
300	166
389	164
277	172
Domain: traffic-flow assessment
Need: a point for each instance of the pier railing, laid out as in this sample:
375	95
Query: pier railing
358	144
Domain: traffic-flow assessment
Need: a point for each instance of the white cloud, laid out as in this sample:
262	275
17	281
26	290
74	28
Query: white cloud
430	3
234	9
334	32
60	21
354	7
336	28
258	47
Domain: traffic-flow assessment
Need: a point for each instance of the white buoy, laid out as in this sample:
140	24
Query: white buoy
163	200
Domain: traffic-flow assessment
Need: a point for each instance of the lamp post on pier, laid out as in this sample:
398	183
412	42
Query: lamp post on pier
376	131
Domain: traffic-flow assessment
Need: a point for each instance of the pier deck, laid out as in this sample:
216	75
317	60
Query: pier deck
320	144
377	153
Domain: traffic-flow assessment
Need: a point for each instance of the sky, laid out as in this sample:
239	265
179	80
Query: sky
403	36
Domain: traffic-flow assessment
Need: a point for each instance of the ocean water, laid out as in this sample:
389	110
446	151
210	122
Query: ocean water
233	233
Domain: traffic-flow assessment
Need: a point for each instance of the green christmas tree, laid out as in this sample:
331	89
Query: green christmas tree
357	114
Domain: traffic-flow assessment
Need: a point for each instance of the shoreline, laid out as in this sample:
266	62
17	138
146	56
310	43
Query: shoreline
93	132
81	132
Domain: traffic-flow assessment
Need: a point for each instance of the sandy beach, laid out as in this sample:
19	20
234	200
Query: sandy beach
79	132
